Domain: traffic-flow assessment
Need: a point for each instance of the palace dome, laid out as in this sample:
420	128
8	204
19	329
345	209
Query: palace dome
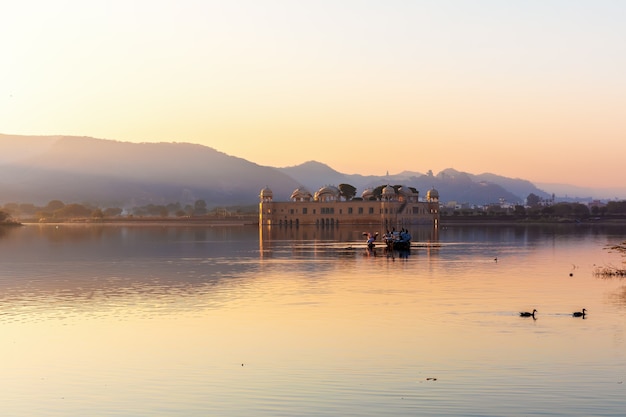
266	193
388	192
367	194
301	194
327	193
432	194
405	191
408	193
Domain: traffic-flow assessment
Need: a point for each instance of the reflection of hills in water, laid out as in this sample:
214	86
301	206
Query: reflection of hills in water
115	270
57	270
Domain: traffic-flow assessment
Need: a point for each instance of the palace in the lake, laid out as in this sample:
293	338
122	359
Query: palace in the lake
394	207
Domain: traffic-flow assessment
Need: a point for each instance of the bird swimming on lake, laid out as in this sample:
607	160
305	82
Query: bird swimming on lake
580	313
527	314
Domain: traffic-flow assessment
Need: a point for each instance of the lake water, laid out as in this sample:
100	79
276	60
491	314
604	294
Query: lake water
132	320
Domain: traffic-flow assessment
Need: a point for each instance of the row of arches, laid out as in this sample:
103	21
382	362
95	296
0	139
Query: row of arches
318	222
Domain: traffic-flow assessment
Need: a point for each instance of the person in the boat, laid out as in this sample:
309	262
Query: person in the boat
370	239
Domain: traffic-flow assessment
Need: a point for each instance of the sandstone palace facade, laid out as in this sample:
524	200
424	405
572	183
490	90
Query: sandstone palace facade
393	207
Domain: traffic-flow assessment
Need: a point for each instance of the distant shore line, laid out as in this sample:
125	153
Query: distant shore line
253	221
146	222
471	221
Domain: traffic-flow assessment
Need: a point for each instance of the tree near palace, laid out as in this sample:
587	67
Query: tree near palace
347	191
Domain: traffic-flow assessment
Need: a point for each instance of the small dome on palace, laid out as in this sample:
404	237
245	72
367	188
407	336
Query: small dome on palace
266	193
301	193
328	192
406	191
432	194
367	194
389	191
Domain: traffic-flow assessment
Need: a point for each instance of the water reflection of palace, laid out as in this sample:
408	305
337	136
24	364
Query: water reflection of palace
394	207
338	241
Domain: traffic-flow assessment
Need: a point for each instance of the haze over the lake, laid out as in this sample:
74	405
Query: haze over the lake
532	90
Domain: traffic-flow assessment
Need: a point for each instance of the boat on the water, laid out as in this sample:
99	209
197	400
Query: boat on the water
397	240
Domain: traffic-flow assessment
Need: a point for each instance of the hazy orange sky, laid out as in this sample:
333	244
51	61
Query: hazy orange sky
528	89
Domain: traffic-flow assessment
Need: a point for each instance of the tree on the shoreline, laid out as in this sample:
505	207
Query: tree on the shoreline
199	207
112	212
533	200
616	207
54	205
73	210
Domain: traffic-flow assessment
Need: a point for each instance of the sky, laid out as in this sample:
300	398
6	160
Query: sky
532	89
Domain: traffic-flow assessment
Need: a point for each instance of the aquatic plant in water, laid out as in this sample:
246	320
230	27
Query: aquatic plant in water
612	271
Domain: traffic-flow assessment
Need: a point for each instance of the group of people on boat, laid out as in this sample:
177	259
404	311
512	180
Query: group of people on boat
392	239
397	239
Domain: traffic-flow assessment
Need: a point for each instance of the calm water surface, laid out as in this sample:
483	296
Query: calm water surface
233	321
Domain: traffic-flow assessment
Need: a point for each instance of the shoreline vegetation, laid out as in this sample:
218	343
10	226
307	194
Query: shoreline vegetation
253	219
56	211
609	272
612	271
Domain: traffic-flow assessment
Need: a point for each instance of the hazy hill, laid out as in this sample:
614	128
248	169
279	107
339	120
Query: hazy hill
37	169
17	148
584	193
484	188
313	175
451	184
108	172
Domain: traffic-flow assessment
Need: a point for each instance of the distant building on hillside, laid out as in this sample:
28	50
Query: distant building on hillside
392	208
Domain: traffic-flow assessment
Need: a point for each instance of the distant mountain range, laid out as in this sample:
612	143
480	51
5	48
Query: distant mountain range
38	169
451	184
123	174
